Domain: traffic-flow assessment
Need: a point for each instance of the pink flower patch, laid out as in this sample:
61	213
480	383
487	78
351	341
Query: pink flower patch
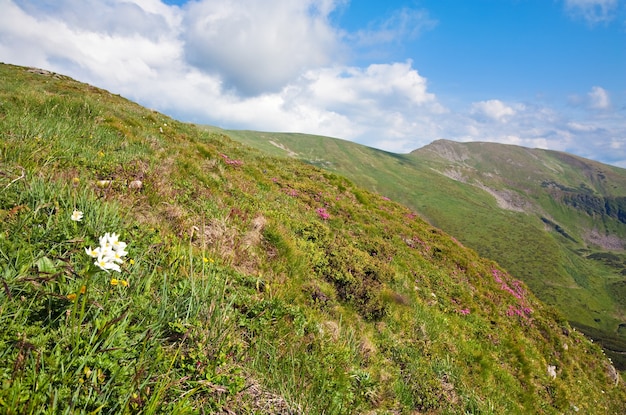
230	161
322	213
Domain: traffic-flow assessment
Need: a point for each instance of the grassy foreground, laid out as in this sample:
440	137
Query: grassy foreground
248	284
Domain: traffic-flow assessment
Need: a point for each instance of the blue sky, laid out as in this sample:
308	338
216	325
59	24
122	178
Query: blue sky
393	74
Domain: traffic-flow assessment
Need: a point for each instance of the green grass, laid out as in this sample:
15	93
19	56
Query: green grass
255	284
546	245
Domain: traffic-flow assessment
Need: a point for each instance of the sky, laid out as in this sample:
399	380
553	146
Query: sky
394	74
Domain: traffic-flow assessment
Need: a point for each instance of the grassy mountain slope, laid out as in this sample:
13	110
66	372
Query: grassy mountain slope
554	220
252	284
573	207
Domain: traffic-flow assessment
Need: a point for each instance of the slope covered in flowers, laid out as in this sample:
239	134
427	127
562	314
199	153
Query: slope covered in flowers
250	284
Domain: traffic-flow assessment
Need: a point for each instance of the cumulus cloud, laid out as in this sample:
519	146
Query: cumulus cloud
492	109
353	89
146	18
39	35
599	98
258	46
592	11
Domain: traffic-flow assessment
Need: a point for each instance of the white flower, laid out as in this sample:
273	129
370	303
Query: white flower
110	254
104	263
77	215
94	253
105	240
116	244
116	255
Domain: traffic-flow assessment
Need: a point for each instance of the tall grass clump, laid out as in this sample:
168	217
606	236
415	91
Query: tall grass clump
79	336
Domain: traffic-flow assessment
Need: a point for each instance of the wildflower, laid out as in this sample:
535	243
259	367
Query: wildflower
114	281
230	161
105	241
110	254
205	260
92	252
116	255
106	264
77	215
116	243
73	296
323	213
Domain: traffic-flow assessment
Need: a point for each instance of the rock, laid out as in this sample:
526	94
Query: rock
39	71
612	373
135	184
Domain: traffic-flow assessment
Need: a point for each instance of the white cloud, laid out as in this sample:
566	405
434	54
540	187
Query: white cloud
493	109
354	89
592	11
109	56
259	46
145	17
580	127
599	98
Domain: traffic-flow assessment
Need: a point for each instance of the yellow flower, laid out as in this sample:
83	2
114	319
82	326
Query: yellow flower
205	260
83	289
123	283
132	262
71	297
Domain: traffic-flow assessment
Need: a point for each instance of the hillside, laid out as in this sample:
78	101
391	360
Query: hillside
229	281
554	220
